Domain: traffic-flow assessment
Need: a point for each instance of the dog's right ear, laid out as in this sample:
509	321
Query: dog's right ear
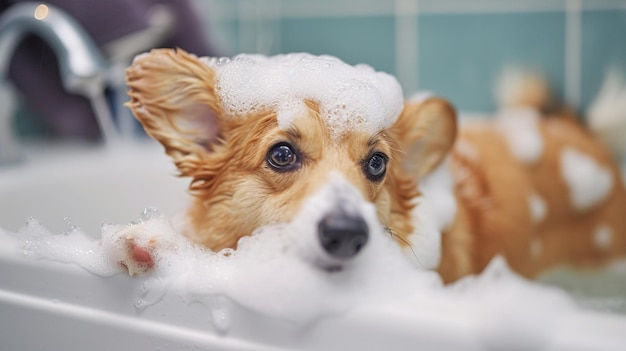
425	132
172	94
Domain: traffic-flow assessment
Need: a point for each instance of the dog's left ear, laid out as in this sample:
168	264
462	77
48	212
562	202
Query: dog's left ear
172	94
425	132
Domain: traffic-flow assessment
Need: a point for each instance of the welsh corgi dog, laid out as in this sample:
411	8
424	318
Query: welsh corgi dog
259	136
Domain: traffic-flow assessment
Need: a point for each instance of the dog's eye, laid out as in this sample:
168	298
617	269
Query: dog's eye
282	157
376	166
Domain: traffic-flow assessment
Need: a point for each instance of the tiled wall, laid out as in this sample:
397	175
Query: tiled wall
455	48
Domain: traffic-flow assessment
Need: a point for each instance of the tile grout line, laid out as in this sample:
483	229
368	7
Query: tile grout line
573	53
241	26
406	42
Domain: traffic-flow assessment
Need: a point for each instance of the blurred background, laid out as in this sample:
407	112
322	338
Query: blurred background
454	48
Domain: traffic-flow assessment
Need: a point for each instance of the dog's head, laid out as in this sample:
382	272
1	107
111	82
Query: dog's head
256	163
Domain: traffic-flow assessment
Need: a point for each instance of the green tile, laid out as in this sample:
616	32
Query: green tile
355	40
461	55
224	36
603	46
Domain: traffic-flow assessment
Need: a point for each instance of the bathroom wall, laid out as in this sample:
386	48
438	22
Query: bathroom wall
455	48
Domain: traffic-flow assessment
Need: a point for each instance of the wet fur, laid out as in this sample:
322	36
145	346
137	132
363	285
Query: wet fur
492	190
234	191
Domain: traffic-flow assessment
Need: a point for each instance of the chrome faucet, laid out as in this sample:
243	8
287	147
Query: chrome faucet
83	68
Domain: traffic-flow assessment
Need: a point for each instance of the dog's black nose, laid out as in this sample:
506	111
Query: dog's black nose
342	235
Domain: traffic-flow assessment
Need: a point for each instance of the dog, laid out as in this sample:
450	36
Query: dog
507	186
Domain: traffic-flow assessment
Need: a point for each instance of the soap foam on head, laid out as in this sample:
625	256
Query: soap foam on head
349	97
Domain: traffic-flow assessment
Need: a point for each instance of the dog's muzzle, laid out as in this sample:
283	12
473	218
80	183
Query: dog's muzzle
342	235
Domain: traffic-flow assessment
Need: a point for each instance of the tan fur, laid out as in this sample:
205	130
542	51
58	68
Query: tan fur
494	217
235	191
424	133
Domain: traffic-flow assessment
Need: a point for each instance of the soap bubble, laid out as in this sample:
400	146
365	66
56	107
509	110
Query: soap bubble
220	314
69	224
222	61
149	213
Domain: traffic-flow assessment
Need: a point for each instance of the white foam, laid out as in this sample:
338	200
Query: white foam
434	211
589	183
73	247
500	326
602	237
518	87
538	208
271	273
520	127
274	271
350	97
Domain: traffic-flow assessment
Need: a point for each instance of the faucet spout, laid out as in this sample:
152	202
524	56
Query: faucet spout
81	65
83	68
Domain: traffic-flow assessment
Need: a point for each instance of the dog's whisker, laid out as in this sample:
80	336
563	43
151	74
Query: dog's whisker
392	234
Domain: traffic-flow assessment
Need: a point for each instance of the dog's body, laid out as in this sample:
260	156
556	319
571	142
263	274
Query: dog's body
527	210
253	170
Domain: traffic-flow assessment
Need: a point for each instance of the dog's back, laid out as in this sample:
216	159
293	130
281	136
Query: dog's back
537	188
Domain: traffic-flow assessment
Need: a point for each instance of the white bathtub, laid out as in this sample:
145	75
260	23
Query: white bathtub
46	305
86	185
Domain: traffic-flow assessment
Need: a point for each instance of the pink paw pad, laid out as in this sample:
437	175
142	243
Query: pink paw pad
139	259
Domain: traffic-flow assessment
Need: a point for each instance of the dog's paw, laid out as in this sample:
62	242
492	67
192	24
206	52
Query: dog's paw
136	250
138	258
